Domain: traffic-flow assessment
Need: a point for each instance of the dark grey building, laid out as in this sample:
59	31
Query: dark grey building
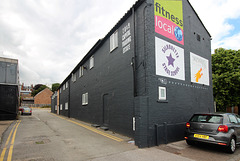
9	91
146	77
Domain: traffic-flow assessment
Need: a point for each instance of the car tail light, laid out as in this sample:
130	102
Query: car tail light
187	125
223	128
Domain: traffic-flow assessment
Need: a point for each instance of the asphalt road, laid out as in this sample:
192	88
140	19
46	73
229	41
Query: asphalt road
49	137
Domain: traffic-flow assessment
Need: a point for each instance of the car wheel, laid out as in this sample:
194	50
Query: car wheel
189	142
232	145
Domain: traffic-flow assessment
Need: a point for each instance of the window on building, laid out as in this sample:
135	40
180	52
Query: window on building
91	62
66	85
61	90
61	107
56	107
85	99
66	106
162	93
74	77
114	41
81	71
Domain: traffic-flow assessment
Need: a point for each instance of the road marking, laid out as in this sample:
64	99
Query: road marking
36	117
92	129
6	144
8	139
12	143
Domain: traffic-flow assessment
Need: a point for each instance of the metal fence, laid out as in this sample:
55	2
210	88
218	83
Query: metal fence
166	133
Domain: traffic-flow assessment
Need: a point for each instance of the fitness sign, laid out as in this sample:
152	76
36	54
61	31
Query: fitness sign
169	19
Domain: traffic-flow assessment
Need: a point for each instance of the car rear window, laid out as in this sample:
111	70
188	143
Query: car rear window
216	119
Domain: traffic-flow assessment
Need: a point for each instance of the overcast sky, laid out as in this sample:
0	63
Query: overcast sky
50	37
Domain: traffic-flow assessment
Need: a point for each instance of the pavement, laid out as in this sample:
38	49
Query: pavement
151	154
146	154
3	127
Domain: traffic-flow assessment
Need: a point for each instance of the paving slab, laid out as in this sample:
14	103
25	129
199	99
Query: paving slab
3	127
147	154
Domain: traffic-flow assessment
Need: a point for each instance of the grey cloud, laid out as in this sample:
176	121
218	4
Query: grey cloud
50	37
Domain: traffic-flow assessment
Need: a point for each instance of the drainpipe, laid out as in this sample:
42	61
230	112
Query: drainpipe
69	107
143	63
135	55
134	69
145	68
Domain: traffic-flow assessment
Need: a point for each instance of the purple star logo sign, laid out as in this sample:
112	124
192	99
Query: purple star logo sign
171	64
170	60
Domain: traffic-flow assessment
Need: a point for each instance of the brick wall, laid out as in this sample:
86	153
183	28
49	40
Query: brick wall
44	97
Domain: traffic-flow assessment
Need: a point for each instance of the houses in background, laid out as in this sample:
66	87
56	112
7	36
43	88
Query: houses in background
25	91
26	98
146	77
43	98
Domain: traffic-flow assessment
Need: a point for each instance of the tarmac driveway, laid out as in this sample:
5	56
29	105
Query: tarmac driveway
45	136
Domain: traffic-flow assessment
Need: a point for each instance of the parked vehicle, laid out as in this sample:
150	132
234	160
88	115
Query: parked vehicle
27	110
215	128
20	109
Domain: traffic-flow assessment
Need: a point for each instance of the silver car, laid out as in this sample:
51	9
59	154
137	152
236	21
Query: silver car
215	128
27	111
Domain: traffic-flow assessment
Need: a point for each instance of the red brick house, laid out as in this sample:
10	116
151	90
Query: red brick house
43	97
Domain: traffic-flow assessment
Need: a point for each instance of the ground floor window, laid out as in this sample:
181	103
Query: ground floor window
85	99
66	106
162	93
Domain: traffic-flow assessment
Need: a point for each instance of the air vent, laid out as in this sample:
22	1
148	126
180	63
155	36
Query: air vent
198	37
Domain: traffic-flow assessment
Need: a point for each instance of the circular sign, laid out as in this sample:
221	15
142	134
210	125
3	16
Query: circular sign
178	33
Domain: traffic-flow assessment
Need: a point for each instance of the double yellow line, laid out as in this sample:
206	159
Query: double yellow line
93	130
9	158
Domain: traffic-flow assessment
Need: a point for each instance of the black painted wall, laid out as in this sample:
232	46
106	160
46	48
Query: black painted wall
8	102
109	85
122	86
54	103
64	98
183	97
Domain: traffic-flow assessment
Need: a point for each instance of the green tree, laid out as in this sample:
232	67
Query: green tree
37	86
226	78
55	86
38	89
